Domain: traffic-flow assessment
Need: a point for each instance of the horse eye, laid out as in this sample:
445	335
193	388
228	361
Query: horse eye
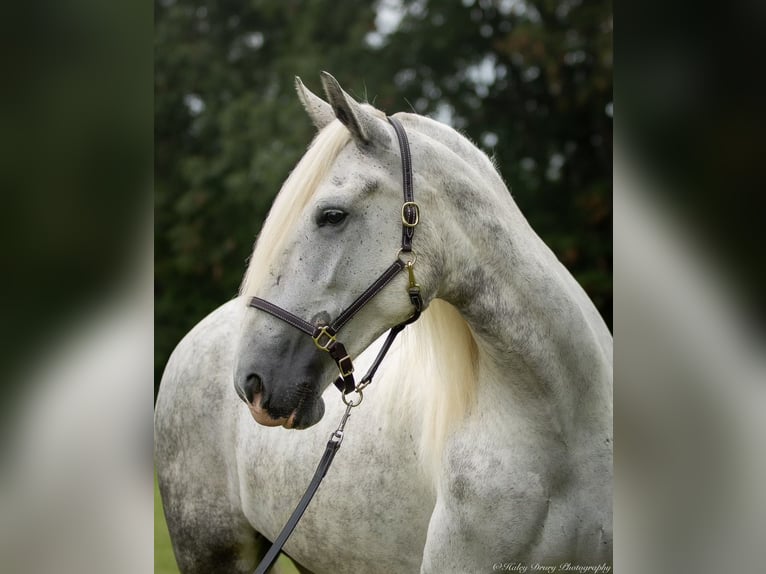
331	217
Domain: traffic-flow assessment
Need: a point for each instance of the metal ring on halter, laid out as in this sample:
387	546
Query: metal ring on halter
414	256
351	403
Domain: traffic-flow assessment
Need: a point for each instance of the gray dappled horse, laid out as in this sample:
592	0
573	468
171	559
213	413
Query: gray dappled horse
486	438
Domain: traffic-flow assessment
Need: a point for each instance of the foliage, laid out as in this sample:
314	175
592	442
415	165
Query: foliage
530	83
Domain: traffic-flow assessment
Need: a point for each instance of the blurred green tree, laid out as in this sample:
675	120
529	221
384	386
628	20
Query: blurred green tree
531	83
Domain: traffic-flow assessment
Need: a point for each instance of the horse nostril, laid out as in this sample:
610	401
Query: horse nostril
253	386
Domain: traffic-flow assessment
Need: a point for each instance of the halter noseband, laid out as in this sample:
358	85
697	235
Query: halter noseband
324	336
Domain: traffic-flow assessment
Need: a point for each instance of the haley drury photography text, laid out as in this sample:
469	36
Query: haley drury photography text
551	568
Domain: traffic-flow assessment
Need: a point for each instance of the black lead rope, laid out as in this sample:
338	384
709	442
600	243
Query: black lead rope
324	464
325	339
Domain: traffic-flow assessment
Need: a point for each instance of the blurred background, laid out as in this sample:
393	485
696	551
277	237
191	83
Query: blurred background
529	82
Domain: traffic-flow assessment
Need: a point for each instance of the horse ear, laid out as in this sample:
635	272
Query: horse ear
318	110
364	126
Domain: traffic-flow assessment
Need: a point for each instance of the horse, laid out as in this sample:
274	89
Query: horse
485	441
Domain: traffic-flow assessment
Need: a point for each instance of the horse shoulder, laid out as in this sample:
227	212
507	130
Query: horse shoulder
506	495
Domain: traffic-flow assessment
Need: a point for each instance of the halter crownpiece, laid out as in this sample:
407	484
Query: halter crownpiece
325	336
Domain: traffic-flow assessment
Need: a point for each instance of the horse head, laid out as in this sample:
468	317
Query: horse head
334	227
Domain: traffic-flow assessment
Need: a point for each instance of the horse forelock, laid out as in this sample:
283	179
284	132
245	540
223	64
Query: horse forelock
290	202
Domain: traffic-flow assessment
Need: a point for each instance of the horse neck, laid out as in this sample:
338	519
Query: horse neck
542	344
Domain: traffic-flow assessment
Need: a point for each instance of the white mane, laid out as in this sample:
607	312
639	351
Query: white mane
430	378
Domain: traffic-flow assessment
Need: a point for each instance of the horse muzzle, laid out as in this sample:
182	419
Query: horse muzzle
297	407
262	416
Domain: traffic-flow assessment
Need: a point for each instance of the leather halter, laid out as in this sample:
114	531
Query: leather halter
325	336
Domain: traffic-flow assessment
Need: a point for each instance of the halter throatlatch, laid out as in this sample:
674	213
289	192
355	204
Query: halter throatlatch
325	336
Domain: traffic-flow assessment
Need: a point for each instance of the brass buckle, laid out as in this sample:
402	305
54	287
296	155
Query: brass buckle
414	206
324	345
345	373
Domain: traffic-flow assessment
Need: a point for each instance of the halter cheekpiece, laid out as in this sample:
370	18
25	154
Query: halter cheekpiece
325	336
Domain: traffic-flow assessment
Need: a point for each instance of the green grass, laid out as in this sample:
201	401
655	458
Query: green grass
164	561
